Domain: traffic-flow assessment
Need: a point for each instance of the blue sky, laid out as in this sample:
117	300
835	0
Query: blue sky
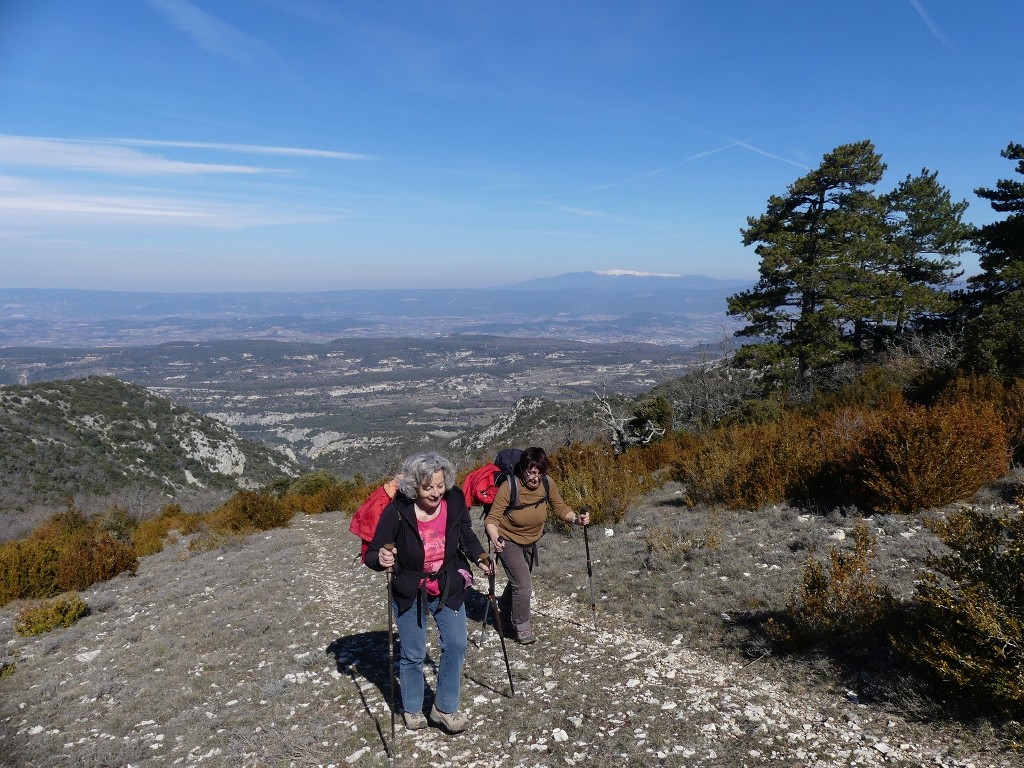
192	145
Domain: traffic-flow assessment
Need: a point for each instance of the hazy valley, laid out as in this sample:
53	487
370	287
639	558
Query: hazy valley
350	380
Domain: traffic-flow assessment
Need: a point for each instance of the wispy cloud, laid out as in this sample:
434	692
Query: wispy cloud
210	33
576	211
52	207
936	32
100	157
248	149
732	144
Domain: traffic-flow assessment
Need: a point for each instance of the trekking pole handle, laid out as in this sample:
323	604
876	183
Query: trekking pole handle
393	550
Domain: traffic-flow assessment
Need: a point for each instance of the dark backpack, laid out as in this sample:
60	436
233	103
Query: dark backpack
506	462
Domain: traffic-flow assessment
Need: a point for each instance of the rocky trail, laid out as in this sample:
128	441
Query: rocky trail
275	654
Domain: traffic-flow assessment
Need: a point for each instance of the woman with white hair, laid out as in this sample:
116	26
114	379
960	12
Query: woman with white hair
430	526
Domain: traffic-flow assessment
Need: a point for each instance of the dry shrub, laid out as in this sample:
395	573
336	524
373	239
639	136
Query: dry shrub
1007	398
591	475
837	440
968	631
28	569
61	611
148	537
674	540
917	457
652	462
345	496
249	511
67	552
751	466
91	557
840	601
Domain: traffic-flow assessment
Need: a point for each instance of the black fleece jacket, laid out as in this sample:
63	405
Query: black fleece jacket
398	525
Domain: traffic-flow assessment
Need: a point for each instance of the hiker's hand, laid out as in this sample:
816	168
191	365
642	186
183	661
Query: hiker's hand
386	557
582	517
485	564
499	544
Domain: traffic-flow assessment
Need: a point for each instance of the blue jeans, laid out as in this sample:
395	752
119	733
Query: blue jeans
412	632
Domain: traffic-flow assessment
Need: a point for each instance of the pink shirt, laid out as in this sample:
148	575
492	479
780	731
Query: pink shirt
432	533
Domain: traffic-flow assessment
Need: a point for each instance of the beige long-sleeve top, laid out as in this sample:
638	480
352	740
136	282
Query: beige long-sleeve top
525	524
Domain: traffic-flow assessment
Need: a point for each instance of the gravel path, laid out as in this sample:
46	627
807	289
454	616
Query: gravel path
274	654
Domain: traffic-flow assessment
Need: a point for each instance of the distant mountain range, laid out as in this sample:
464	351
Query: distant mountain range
583	306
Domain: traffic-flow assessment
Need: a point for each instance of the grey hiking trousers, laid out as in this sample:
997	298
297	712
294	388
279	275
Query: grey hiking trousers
518	562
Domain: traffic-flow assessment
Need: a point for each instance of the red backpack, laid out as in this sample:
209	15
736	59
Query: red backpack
364	521
481	485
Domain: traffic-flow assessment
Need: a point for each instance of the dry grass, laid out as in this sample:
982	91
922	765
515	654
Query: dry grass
270	651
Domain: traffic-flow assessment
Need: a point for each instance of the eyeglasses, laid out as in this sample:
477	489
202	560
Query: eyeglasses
531	472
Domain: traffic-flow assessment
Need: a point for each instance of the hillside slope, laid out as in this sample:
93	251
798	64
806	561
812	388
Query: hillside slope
99	435
275	653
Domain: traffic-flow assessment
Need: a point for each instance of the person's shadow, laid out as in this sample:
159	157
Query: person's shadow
365	655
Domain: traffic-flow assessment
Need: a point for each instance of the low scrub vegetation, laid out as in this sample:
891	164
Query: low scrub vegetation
62	611
67	553
968	632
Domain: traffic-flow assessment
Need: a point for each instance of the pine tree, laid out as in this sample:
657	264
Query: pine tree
845	271
995	304
929	233
821	248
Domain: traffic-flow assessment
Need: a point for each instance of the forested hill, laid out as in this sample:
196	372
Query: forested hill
99	436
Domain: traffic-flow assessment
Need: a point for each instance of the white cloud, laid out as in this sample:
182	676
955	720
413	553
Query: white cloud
928	22
252	149
210	33
100	157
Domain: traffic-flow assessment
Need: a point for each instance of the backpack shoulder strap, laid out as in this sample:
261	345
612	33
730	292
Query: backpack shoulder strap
513	491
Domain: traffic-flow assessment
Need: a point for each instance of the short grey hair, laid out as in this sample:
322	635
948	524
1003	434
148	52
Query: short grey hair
420	468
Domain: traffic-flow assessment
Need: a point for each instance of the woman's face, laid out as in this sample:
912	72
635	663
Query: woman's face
429	494
531	478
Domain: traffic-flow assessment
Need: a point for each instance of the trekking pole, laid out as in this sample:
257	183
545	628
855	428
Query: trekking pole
391	652
590	575
492	600
487	605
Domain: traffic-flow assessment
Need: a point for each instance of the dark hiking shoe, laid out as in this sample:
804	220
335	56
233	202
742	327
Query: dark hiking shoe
524	633
456	722
414	721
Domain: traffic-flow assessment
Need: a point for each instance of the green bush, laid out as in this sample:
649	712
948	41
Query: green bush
968	628
61	611
312	483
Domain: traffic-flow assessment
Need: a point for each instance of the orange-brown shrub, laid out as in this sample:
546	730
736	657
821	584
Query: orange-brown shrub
91	557
591	475
916	457
148	537
68	552
1008	399
248	511
28	569
345	496
751	466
